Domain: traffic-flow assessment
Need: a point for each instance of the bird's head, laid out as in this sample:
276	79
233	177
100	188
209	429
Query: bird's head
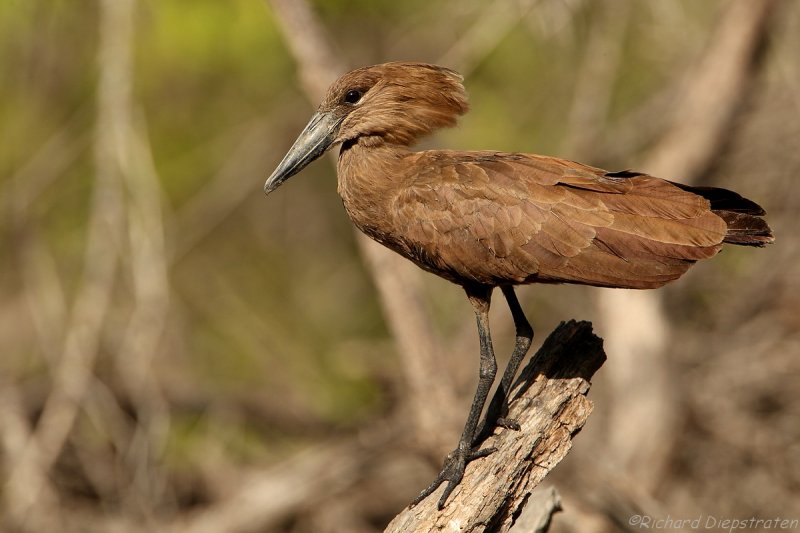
395	103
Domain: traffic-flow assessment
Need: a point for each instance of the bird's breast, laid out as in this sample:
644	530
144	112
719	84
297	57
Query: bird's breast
366	203
367	182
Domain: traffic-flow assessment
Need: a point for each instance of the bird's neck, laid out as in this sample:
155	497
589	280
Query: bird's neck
369	172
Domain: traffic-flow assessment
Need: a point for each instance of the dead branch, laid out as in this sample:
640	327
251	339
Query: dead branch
538	513
549	401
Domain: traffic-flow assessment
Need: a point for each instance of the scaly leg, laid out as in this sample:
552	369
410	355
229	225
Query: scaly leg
497	412
456	461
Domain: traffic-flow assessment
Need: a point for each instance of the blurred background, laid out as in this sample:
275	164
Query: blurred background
181	353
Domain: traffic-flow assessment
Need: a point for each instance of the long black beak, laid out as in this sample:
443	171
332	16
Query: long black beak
312	142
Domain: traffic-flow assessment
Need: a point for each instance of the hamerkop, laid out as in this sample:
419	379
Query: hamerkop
495	219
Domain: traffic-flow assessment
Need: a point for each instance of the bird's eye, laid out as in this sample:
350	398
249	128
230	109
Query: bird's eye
353	96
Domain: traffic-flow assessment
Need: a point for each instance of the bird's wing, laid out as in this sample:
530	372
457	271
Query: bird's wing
513	218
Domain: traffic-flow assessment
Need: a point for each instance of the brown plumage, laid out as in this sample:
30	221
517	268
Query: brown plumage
488	219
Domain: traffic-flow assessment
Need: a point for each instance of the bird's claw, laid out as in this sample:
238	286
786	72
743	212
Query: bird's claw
488	425
508	423
453	472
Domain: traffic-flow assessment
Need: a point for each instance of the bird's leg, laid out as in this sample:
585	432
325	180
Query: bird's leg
497	413
456	461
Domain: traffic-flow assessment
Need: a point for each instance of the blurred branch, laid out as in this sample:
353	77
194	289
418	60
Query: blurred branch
43	290
711	97
148	266
74	370
399	283
597	74
210	206
549	401
46	166
309	44
141	339
15	437
555	19
493	25
712	92
267	498
38	267
538	512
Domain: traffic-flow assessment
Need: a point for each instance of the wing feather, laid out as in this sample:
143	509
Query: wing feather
495	218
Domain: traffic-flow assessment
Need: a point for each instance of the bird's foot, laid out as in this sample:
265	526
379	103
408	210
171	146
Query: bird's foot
453	472
489	423
508	423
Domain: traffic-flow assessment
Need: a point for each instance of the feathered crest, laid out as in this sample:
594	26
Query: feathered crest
399	102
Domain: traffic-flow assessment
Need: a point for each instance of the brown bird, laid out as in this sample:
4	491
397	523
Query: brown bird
495	219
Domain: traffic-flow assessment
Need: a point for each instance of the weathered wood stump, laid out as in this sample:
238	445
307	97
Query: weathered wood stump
549	401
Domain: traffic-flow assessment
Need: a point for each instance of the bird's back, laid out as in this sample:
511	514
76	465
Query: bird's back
499	218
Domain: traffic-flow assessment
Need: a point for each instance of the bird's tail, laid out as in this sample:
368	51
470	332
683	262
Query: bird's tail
746	227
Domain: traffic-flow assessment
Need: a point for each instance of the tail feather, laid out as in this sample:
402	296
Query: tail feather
743	216
745	230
